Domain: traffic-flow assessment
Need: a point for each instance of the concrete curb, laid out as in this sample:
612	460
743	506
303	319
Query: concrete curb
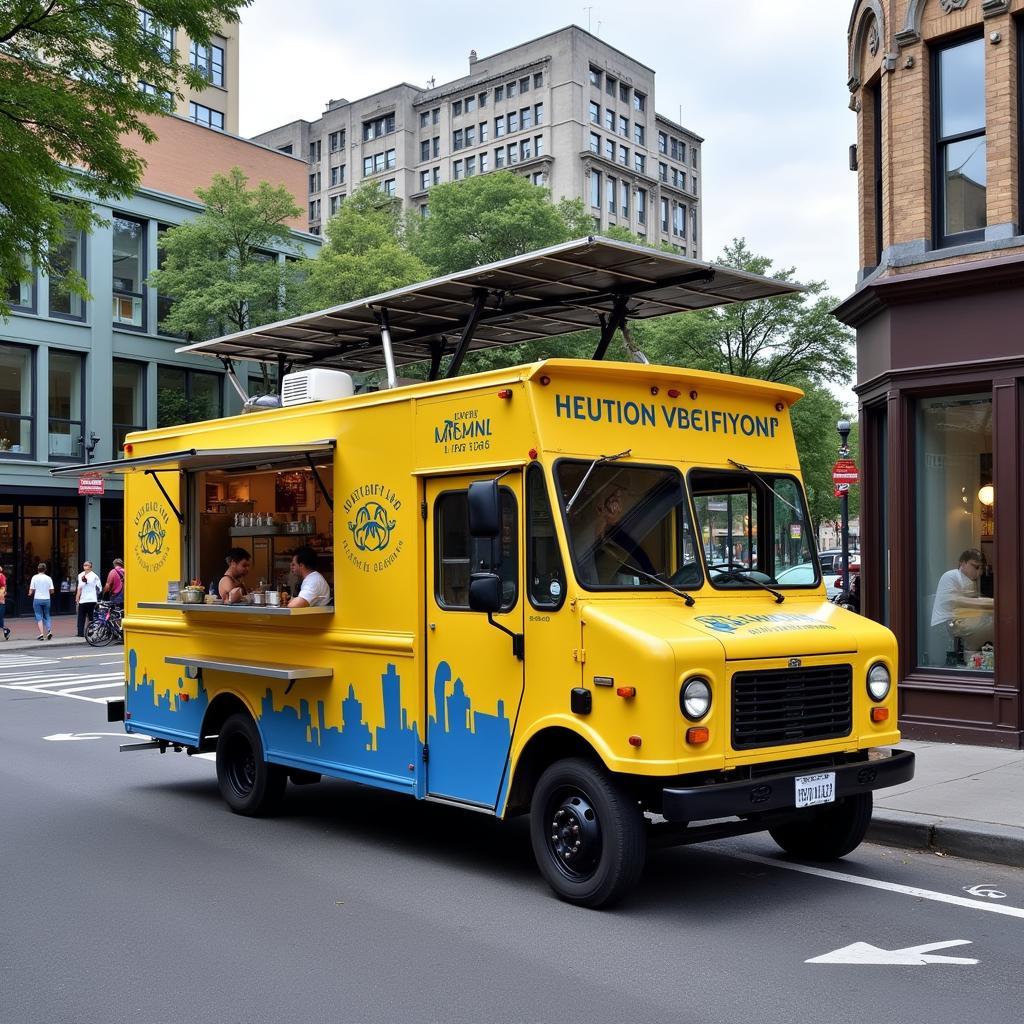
972	840
42	645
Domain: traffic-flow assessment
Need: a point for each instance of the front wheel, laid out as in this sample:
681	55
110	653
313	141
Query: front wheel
828	832
98	634
589	837
249	785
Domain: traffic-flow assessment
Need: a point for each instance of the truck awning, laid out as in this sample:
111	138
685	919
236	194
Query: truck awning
193	459
589	283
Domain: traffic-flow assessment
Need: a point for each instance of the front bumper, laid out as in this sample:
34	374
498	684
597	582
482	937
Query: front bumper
778	792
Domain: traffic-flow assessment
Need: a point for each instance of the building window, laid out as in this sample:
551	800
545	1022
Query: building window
524	84
338	175
484	163
436	173
378	163
16	389
21	294
457	139
693	224
287	148
314	210
337	141
595	143
678	150
693	156
679	220
129	304
510	89
68	259
128	401
314	183
664	214
482	100
960	145
640	163
424	210
595	189
609	149
595	113
457	170
163	35
499	93
186	396
623	92
483	130
435	146
525	150
390	187
595	76
435	115
378	127
624	195
609	119
425	119
513	121
538	145
611	85
538	79
209	62
150	90
624	126
662	142
457	108
206	116
424	180
499	158
163	302
538	113
611	186
638	133
469	104
953	475
641	206
470	166
65	405
367	166
526	118
513	153
639	101
314	152
499	126
471	136
390	159
335	204
623	156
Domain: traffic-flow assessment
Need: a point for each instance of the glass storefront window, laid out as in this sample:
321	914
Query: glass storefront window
65	400
955	607
15	400
128	401
129	272
68	260
186	396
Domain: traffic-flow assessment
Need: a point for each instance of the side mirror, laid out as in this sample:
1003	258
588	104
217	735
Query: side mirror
485	592
484	509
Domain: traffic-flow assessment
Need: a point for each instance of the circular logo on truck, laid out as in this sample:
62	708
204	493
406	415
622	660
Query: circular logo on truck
371	528
151	536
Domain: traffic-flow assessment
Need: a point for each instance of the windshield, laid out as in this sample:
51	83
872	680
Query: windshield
754	528
628	522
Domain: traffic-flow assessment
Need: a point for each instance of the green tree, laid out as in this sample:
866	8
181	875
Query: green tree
789	339
492	217
69	97
219	269
365	253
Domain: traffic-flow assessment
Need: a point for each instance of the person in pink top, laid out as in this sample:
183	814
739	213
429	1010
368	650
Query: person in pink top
113	589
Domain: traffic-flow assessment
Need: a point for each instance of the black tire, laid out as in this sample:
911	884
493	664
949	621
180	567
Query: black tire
98	634
829	832
249	785
589	837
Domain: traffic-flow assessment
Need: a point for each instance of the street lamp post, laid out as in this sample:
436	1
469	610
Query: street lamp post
843	427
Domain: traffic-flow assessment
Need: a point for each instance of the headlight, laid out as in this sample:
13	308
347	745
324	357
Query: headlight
695	699
878	682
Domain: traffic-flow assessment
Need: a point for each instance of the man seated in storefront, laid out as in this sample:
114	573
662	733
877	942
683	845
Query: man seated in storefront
314	590
232	588
958	605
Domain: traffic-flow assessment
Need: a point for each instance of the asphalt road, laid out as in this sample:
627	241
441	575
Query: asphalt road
129	893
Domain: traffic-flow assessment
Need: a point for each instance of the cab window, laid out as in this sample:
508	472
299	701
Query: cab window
629	526
753	524
457	554
545	572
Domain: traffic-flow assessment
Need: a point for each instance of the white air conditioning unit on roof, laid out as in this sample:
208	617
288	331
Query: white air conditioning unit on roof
315	386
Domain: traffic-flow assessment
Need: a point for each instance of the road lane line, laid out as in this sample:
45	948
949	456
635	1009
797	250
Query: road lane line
50	681
875	883
95	686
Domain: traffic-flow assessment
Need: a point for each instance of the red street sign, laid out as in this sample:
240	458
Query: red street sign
842	490
845	472
90	485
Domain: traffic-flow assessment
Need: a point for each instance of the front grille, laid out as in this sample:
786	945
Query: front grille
778	706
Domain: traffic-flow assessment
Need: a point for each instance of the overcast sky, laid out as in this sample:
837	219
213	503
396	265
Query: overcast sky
763	81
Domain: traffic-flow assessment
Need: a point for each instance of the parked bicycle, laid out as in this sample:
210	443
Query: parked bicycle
105	627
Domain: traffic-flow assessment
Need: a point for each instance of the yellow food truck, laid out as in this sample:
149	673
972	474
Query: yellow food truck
557	589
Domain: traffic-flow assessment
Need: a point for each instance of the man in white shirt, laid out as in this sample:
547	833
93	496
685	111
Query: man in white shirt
87	593
40	589
314	590
957	601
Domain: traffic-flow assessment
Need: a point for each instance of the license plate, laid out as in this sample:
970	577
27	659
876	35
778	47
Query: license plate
815	789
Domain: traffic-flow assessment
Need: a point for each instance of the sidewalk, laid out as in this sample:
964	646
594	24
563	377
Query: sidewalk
963	801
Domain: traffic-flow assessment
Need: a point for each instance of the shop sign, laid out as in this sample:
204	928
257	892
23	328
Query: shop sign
90	485
845	472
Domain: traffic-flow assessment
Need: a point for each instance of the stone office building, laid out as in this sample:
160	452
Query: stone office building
566	110
937	88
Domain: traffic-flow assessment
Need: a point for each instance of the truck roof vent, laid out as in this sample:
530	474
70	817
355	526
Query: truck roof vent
315	386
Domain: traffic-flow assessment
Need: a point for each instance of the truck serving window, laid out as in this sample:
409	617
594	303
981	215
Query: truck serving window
627	524
754	528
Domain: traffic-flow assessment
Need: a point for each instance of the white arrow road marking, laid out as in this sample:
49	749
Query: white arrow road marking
874	883
865	953
984	889
62	736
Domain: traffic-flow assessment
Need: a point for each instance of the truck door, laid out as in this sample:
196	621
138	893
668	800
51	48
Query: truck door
474	681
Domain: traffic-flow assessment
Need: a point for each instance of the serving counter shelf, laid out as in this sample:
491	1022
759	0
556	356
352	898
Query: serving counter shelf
235	609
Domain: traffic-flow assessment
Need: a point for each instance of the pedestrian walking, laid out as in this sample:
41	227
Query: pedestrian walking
3	604
40	589
87	594
114	587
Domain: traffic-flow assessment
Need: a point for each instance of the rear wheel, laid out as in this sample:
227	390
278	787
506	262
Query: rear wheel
828	832
98	634
247	782
589	837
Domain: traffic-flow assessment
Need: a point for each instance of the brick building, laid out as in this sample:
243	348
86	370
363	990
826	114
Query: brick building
566	110
937	88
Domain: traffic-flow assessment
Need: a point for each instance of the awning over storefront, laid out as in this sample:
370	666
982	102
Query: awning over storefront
195	459
589	283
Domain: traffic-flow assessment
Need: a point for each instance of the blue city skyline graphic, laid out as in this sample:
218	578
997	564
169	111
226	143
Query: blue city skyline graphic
468	747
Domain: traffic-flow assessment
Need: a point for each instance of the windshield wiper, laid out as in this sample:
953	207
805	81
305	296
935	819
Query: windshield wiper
743	574
754	473
688	598
586	476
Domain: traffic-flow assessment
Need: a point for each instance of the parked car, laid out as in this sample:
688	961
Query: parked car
804	573
831	559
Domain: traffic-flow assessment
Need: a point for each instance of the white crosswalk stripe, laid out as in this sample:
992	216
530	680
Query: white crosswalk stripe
94	682
17	660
